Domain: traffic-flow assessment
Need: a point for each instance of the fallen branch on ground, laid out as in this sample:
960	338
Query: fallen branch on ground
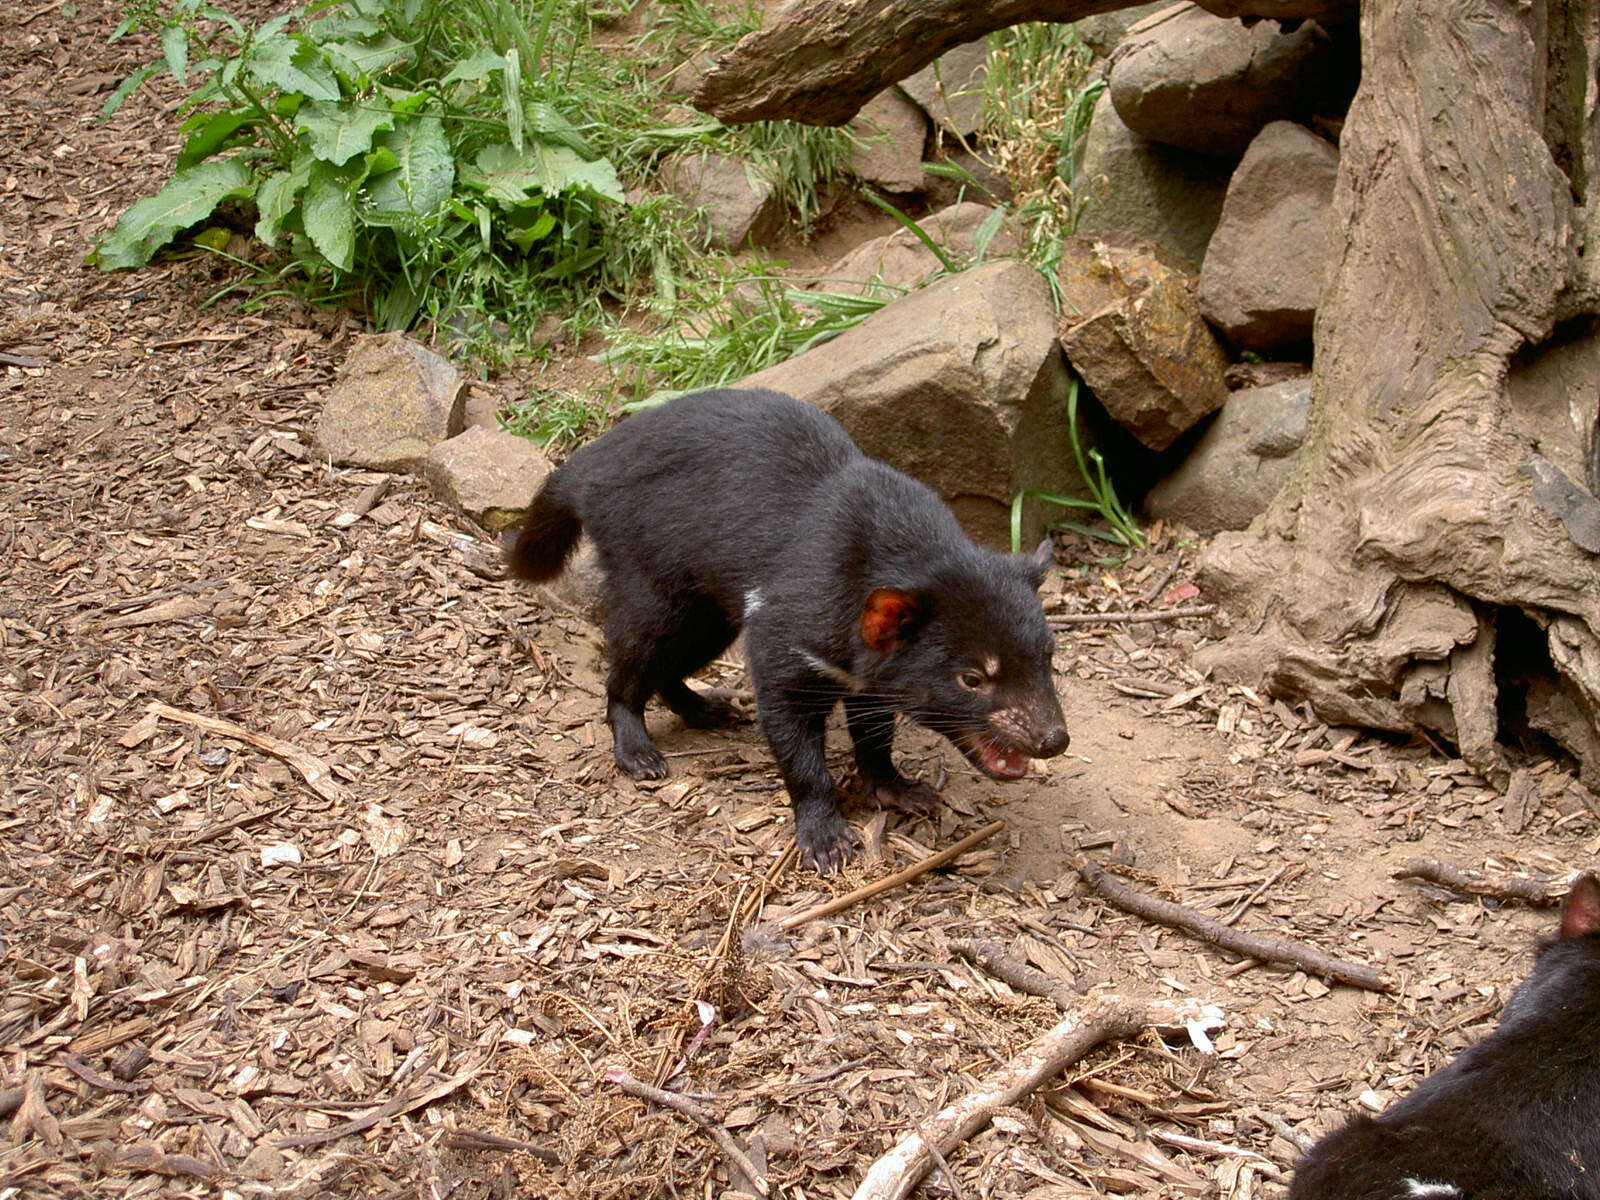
1089	1020
889	882
1251	945
308	766
474	1139
1057	620
1010	970
1477	882
700	1115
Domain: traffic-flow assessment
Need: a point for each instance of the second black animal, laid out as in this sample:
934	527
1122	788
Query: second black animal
854	583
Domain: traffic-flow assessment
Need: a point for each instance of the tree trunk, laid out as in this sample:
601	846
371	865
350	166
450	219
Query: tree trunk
821	60
1432	563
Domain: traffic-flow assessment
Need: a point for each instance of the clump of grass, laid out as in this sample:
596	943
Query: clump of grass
1121	530
1038	98
720	330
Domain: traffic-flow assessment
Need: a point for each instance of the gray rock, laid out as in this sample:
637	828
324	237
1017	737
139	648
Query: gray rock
890	134
487	474
1240	462
1267	261
1165	195
901	260
950	89
1103	31
1131	328
1189	79
960	384
394	399
738	207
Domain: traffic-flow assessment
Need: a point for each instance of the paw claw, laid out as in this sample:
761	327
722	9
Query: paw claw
826	845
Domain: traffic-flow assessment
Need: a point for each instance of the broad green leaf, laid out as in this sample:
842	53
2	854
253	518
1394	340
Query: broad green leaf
369	57
189	196
421	182
548	122
175	49
276	197
477	66
511	177
292	64
511	97
328	216
211	133
525	238
341	131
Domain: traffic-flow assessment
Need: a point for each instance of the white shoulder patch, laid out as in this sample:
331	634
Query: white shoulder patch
1425	1189
823	667
752	601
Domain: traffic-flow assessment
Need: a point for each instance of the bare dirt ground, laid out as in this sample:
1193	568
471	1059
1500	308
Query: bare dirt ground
219	979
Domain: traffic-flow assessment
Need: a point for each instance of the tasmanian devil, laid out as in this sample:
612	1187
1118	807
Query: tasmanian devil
1510	1118
748	509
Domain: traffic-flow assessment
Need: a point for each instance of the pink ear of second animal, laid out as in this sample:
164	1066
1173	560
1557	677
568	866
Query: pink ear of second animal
1580	911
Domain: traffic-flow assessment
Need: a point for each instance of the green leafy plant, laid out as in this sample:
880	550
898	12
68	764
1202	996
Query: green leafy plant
1122	529
413	146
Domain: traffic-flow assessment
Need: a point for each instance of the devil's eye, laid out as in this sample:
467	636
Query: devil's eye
973	681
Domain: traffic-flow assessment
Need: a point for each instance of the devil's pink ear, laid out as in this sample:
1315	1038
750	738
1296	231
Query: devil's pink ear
886	618
1580	911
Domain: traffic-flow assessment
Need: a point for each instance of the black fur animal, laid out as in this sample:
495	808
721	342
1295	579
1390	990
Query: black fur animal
1511	1118
732	509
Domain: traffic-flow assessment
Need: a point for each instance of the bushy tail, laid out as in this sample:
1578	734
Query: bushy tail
540	549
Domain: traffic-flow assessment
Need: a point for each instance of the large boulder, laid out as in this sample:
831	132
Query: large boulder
1165	195
394	399
961	385
1240	462
890	133
488	475
901	260
1131	328
1186	78
1267	261
950	89
737	208
1103	31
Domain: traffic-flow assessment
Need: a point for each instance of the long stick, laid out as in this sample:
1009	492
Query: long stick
1089	1021
1268	949
1057	620
1474	882
888	882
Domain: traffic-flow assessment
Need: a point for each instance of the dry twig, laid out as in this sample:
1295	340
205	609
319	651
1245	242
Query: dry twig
1476	882
1088	1022
1251	945
889	882
1058	620
700	1115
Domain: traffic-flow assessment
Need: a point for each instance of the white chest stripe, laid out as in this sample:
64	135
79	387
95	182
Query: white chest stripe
837	674
752	602
1423	1189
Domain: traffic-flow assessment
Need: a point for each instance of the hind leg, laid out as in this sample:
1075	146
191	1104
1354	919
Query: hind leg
638	623
703	631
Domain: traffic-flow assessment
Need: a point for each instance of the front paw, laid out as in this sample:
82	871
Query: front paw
642	761
826	842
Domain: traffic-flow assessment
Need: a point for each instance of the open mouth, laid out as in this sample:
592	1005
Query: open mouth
995	757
